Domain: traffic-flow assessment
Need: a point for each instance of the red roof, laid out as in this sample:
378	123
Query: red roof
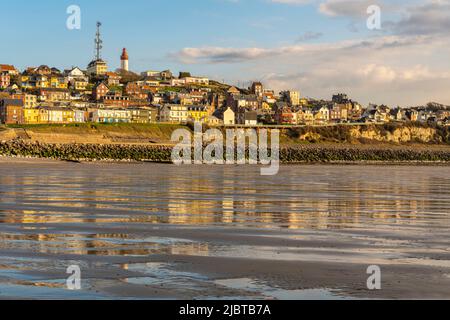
7	67
124	55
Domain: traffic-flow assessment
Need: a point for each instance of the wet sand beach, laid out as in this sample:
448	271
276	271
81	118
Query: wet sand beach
155	231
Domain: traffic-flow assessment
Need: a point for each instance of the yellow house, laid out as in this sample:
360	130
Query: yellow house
197	113
31	116
56	115
80	85
58	82
68	116
34	81
30	101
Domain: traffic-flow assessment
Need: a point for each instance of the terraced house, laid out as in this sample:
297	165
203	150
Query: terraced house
111	116
31	116
141	115
174	113
197	113
11	111
55	115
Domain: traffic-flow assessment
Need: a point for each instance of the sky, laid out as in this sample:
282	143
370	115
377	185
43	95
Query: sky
319	47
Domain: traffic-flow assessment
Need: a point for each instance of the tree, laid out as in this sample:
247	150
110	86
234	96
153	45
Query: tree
184	75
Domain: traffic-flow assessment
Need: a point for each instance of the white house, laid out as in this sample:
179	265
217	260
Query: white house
174	113
197	80
229	117
111	115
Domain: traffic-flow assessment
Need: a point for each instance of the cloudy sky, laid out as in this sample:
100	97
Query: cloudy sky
319	47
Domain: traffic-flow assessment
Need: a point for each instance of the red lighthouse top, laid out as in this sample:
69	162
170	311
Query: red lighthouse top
124	55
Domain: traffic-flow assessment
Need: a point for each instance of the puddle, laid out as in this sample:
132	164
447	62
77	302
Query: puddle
267	292
157	273
44	293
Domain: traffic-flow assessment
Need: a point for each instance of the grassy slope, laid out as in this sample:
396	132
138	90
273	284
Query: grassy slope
96	133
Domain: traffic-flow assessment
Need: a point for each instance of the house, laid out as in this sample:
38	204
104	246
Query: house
156	98
116	99
269	98
30	100
58	82
53	94
166	75
74	73
305	116
43	77
97	68
152	83
80	116
135	91
412	115
99	91
177	82
112	79
213	121
321	115
339	113
285	116
79	84
143	115
5	80
173	113
11	111
150	74
196	80
9	69
249	102
34	81
373	116
257	89
111	116
376	113
233	91
77	79
291	97
197	113
248	118
229	117
396	114
55	115
424	115
31	116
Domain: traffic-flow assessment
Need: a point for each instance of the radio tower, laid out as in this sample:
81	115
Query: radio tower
98	42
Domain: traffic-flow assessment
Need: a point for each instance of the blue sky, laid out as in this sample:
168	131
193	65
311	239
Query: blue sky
316	46
151	30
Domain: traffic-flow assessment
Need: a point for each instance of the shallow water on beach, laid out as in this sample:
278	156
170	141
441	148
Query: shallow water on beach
135	229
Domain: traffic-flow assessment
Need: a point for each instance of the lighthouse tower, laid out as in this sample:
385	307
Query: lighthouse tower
124	60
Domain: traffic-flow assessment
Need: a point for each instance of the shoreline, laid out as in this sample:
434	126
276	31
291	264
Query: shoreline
38	160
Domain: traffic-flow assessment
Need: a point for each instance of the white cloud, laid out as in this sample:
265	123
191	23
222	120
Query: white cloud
407	64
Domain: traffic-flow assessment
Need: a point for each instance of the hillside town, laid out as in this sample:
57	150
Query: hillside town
47	95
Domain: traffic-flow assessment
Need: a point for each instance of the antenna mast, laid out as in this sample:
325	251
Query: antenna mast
98	42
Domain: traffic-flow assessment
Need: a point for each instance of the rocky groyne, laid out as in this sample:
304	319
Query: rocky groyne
293	154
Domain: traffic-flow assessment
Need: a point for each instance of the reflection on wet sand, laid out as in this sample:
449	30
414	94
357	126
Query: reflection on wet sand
308	199
160	210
